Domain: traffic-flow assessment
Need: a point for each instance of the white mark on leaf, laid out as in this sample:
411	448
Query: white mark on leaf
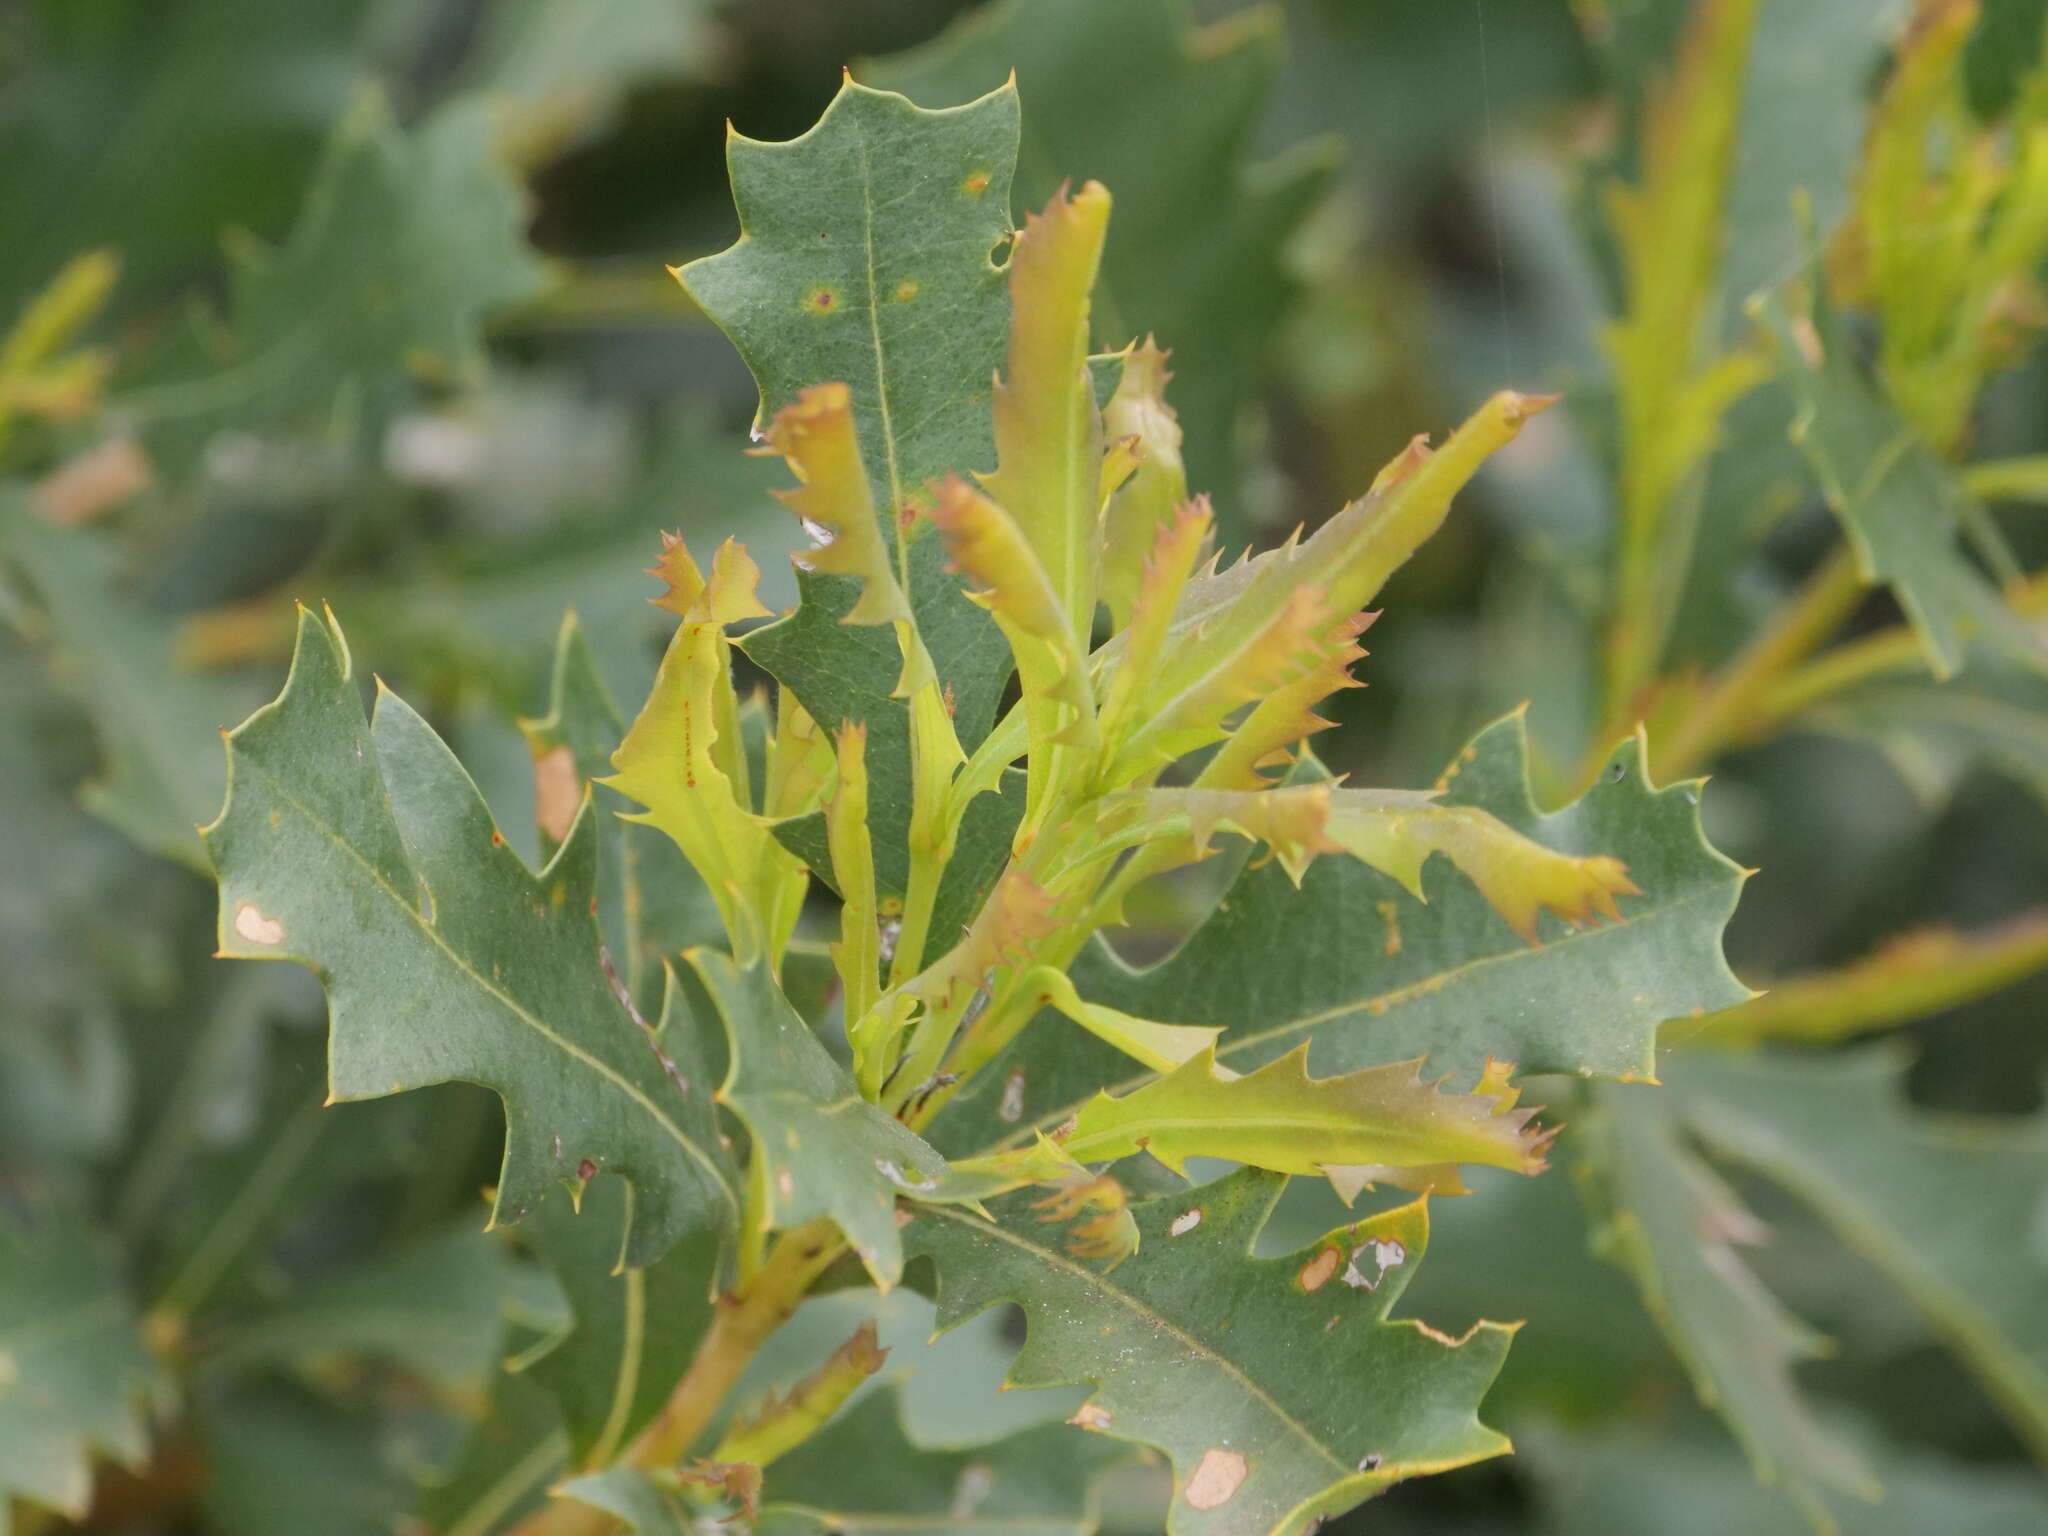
1091	1416
1011	1109
252	925
1185	1222
911	1181
1385	1252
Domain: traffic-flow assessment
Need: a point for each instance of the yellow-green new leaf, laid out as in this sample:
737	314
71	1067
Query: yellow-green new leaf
786	1420
1048	432
1349	558
816	436
678	761
1282	1119
1158	483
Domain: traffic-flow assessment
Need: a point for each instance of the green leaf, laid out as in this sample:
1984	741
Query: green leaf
1352	963
650	1503
505	1467
820	1149
1991	713
1664	1217
151	129
651	904
1278	1387
437	1307
1625	1481
563	65
864	1472
1944	1207
633	1331
864	259
157	721
1898	504
909	312
408	237
1164	113
369	855
72	1366
282	1459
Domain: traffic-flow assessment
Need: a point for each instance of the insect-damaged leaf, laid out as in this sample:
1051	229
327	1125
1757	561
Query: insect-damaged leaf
1353	964
367	854
1277	1387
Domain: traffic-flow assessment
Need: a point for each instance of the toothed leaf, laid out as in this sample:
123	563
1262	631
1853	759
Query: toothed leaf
1163	112
820	1149
1278	1388
74	1366
1280	1118
1939	1205
366	853
1670	1222
1352	963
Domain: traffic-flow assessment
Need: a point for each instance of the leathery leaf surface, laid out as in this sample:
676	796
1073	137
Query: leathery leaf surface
1278	1388
365	852
1354	965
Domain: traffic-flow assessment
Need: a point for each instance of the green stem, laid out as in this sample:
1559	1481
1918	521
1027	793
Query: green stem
745	1319
1731	713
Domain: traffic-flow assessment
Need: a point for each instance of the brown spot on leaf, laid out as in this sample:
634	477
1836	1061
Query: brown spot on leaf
1090	1416
820	301
1316	1273
557	791
1218	1475
906	290
586	1170
1390	914
975	184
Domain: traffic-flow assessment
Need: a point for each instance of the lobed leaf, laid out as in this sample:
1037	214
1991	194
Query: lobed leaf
1933	1203
819	1148
1350	962
1278	1388
368	855
1670	1222
75	1369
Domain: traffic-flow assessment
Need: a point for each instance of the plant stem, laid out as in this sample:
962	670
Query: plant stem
1731	712
743	1322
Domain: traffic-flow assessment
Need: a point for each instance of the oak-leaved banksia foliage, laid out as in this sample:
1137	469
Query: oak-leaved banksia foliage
1020	683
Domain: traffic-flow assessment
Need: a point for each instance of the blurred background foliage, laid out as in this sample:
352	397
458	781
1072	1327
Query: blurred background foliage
363	301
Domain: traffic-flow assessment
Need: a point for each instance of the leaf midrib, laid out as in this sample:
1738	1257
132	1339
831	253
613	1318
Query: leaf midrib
1392	999
1100	1283
434	939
